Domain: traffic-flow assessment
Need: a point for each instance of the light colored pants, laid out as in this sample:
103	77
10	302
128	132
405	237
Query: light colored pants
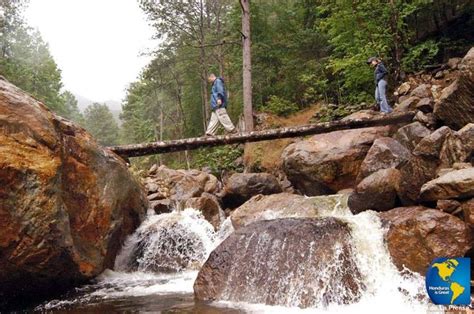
219	115
381	98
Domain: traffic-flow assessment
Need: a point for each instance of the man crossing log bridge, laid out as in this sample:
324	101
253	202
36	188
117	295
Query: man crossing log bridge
136	150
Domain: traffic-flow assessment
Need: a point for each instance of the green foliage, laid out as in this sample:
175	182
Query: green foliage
422	54
279	106
331	112
25	59
100	122
71	109
219	159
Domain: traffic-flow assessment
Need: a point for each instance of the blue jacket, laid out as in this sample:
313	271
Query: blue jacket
380	72
218	92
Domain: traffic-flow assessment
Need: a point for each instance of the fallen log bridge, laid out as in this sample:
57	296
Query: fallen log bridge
161	147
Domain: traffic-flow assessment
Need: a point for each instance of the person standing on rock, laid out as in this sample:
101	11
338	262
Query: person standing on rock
380	74
218	107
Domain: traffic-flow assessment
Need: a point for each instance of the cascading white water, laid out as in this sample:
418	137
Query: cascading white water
193	238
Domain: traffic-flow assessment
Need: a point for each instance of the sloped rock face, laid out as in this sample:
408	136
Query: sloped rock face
385	153
66	204
377	192
327	163
289	262
454	184
283	205
240	187
417	235
411	134
455	107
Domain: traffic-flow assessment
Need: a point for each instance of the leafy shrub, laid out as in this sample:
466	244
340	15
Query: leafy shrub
219	159
420	55
280	106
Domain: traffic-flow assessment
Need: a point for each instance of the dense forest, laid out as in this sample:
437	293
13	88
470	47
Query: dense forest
303	52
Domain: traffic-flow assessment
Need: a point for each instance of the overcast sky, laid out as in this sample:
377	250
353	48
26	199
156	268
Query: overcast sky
96	43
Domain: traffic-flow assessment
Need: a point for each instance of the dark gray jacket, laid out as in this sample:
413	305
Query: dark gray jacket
380	72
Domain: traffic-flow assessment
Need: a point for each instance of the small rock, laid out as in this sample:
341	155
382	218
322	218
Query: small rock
454	62
466	134
161	206
208	204
447	206
422	91
461	165
427	119
403	89
408	104
468	212
435	91
455	184
439	75
345	191
153	170
156	196
425	105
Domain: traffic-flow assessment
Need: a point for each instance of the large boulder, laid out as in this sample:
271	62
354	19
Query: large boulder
289	262
66	204
417	235
414	173
283	205
385	153
455	106
455	184
411	134
327	163
240	187
377	191
443	144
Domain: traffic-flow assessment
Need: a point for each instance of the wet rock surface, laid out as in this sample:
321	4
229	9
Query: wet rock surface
66	204
455	184
283	262
417	235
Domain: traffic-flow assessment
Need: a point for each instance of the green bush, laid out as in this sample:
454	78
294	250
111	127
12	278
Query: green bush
218	159
420	55
280	106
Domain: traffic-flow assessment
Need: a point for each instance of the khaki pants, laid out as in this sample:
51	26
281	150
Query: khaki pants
219	115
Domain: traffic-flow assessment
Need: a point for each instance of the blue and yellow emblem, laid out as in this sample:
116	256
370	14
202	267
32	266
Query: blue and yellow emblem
448	281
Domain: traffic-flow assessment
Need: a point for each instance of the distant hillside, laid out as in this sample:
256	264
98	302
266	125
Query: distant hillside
114	106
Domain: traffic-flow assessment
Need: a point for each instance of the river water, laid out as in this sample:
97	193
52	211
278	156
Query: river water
156	269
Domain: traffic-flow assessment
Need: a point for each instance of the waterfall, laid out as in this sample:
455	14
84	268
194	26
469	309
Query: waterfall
159	263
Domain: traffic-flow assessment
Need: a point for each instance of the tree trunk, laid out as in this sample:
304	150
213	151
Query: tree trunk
247	65
256	136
